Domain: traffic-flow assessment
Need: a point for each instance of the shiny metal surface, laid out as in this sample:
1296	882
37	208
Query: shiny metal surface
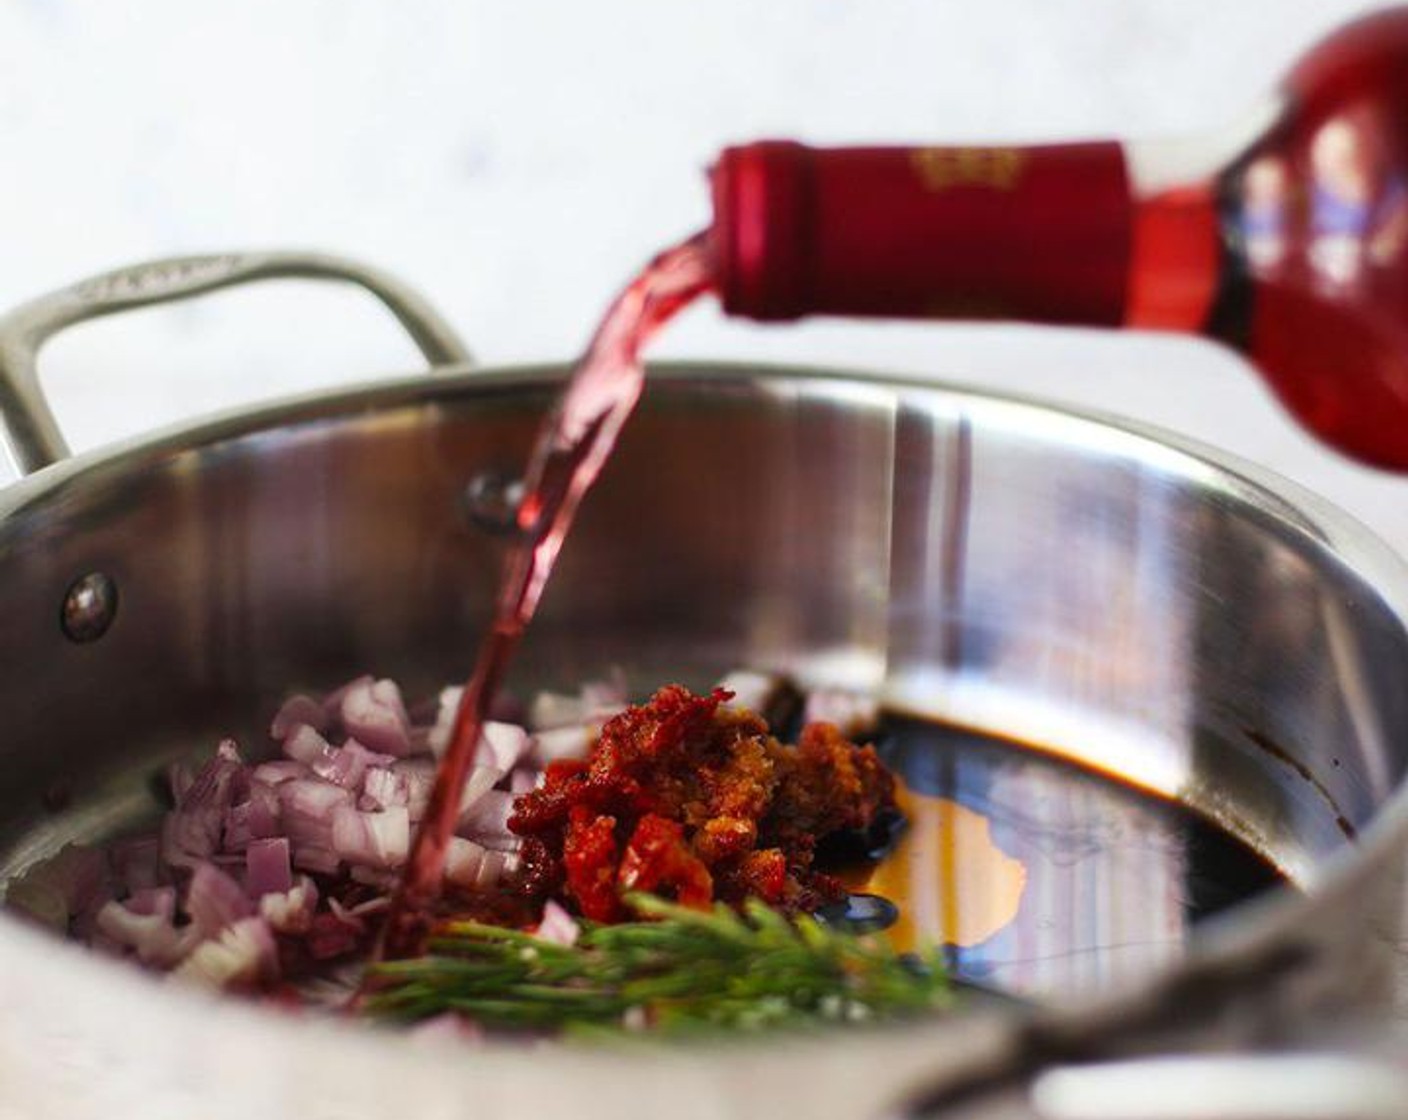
1100	594
28	429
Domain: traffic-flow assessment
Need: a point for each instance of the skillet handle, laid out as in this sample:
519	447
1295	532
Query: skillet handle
27	426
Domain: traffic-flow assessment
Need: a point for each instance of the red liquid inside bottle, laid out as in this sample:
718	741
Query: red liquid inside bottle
1286	237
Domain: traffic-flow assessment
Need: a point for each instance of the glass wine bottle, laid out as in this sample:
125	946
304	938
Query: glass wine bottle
1285	237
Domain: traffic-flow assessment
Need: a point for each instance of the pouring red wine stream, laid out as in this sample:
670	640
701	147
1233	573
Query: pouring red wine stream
571	448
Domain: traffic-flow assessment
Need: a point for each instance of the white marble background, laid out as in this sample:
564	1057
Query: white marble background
518	159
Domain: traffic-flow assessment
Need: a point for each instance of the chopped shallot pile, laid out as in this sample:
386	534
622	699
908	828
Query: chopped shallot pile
272	867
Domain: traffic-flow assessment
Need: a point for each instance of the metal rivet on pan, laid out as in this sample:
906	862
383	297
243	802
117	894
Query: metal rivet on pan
491	502
90	604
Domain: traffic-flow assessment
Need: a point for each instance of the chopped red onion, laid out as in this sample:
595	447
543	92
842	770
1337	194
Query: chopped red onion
380	840
279	770
268	867
304	744
479	782
190	836
311	800
316	857
291	911
375	715
556	743
558	926
609	692
298	709
211	787
346	765
554	709
383	788
438	737
340	801
597	702
419	776
160	901
501	746
306	807
505	707
463	859
332	702
473	866
341	767
242	955
486	822
215	900
151	937
255	818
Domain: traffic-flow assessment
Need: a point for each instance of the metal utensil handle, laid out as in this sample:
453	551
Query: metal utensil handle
27	425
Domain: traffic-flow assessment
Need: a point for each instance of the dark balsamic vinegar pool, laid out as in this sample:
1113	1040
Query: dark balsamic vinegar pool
1039	877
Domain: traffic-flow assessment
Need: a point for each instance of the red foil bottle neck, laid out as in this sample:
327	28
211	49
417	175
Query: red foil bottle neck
1038	233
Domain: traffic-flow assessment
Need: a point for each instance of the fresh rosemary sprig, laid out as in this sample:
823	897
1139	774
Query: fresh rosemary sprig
678	971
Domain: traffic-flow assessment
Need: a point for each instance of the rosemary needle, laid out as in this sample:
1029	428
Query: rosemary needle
679	970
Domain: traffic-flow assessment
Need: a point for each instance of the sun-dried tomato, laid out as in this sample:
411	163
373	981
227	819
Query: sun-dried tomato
658	860
764	874
589	855
696	801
